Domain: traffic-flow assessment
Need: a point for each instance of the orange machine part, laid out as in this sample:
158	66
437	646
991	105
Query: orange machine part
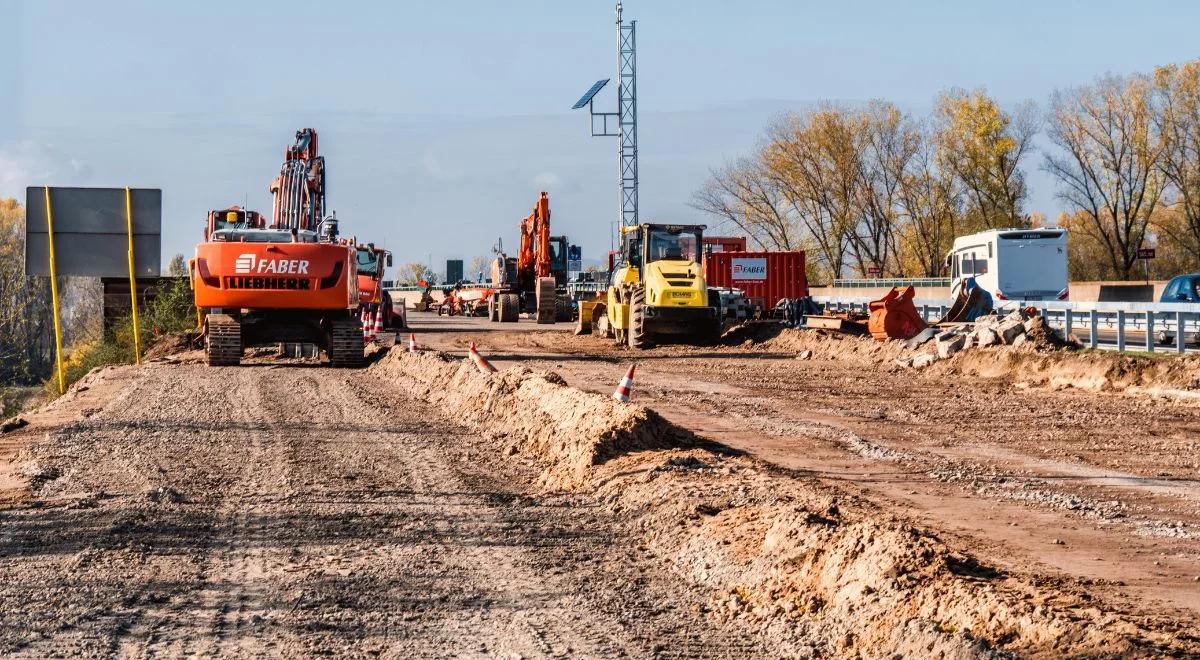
533	258
895	316
316	276
369	291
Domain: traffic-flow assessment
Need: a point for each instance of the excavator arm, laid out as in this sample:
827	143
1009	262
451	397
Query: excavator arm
299	189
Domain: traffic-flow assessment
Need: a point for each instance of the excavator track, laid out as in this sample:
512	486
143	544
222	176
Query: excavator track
346	343
223	341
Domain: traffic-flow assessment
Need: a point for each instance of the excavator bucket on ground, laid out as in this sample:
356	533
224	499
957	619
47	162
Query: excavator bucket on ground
970	303
895	316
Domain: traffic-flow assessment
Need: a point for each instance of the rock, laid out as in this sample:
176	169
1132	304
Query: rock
804	355
987	321
12	424
921	337
1017	315
986	337
1020	341
1010	330
163	494
905	362
1033	324
949	345
923	360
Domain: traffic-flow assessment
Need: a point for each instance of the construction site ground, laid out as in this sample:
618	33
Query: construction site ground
284	508
1102	487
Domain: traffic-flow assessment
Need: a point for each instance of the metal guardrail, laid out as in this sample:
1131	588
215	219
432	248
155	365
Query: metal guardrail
858	283
1181	321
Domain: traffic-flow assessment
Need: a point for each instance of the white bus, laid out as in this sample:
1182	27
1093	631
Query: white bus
1012	264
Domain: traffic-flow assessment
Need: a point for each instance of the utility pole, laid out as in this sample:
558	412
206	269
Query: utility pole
625	119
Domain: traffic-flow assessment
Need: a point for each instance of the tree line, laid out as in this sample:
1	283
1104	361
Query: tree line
869	190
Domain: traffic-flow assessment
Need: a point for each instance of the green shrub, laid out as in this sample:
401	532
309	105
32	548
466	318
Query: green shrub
171	312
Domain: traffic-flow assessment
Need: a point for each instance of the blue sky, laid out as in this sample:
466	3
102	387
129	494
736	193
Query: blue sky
441	121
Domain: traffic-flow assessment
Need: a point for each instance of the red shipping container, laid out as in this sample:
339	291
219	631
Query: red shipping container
766	277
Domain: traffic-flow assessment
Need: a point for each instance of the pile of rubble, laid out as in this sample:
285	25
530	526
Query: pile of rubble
1017	329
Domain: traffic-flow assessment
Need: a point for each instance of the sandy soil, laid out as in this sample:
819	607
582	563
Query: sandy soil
290	510
791	496
1098	487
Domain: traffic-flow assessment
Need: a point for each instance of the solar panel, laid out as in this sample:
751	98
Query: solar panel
587	96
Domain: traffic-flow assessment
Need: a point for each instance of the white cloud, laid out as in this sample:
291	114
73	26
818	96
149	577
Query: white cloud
28	163
547	181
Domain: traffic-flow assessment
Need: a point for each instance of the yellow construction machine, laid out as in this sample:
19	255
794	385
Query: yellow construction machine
656	290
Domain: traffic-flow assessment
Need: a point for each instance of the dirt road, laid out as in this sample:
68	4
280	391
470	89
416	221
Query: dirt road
1100	488
409	509
286	511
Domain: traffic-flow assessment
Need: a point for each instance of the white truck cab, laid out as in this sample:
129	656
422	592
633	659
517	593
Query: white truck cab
1012	264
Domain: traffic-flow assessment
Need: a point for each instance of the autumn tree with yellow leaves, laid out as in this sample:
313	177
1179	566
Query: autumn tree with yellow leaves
867	189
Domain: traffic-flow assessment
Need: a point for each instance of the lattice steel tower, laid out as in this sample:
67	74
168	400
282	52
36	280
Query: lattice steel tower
625	118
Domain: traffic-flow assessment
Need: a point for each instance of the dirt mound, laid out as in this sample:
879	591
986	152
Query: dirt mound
534	413
819	573
1044	359
828	345
1086	370
170	344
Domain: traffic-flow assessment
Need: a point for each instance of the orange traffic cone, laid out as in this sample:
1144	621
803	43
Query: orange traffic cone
480	361
412	342
626	386
378	321
362	317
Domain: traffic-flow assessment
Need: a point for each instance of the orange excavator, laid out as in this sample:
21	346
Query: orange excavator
288	281
374	299
529	282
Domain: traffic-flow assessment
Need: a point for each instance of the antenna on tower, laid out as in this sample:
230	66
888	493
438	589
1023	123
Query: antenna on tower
625	118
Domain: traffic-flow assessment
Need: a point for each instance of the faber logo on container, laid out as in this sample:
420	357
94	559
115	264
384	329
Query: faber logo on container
244	264
749	269
247	263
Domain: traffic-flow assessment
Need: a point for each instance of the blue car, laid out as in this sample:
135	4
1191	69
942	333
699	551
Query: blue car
1181	289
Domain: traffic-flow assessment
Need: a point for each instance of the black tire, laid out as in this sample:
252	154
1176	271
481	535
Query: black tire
711	335
510	308
493	310
638	338
391	321
564	311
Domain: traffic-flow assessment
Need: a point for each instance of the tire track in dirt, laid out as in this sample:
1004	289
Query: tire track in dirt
295	511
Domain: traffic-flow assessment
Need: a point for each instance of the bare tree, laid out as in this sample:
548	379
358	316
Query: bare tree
931	209
888	142
1108	161
742	194
813	159
982	146
1177	90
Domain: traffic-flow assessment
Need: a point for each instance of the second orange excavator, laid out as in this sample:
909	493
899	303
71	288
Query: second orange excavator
530	281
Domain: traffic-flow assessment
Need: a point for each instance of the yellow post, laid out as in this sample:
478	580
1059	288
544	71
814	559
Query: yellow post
58	360
137	335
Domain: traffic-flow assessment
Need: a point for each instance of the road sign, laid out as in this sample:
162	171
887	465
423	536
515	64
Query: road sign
1145	253
91	236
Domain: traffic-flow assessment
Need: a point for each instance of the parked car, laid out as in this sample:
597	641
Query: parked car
1181	289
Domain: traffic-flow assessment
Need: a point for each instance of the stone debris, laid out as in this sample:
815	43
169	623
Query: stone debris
949	343
1017	330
